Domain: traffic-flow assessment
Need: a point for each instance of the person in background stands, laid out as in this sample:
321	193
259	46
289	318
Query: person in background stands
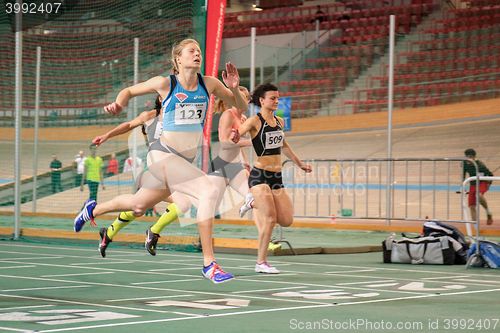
469	168
112	168
320	15
93	173
55	174
79	164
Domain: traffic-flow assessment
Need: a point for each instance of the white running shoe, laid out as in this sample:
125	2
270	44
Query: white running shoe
247	205
266	268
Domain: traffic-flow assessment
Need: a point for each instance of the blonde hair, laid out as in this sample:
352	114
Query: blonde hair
177	50
219	103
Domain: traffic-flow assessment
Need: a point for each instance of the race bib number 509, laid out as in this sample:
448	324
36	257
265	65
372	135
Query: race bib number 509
274	139
190	113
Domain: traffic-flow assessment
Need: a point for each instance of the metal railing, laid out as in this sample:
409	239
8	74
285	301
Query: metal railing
421	189
424	188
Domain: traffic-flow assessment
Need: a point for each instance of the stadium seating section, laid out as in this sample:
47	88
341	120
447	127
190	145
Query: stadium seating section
85	59
456	56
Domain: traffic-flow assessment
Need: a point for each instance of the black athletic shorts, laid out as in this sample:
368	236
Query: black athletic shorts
260	176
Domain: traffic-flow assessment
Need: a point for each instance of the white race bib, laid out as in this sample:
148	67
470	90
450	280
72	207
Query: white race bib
158	130
274	139
190	113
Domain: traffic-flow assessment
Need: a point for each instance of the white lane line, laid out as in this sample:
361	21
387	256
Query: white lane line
331	286
445	277
185	257
101	262
270	289
93	306
130	254
77	274
351	271
100	284
11	267
199	317
19	252
166	281
44	288
180	261
380	285
418	296
116	270
273	275
29	258
148	298
253	266
66	248
480	281
15	330
245	278
363	282
371	277
26	307
173	269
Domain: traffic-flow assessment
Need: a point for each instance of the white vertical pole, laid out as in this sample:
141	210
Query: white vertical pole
18	117
392	20
135	172
253	33
261	73
317	33
37	121
253	36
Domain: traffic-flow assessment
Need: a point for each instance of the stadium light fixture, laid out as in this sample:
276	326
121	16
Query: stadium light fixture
256	5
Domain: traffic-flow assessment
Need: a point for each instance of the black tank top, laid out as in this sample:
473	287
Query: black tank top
268	140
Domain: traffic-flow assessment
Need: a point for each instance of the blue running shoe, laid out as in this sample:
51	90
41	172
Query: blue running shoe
216	274
85	215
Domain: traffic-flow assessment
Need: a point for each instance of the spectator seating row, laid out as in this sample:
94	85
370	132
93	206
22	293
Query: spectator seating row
450	64
456	42
437	77
475	11
457	59
456	53
321	73
306	103
299	19
437	89
429	96
359	39
323	85
482	3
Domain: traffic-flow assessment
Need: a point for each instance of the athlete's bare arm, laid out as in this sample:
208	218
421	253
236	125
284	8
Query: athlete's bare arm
125	127
225	126
157	84
287	150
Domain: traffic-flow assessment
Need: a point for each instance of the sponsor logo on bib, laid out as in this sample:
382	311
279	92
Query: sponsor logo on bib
181	96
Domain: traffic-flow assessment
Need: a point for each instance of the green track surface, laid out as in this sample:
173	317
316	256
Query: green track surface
54	288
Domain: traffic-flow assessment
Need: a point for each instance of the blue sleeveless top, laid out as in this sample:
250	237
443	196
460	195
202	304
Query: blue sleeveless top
184	110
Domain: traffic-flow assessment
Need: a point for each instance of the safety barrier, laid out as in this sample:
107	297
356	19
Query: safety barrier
400	189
